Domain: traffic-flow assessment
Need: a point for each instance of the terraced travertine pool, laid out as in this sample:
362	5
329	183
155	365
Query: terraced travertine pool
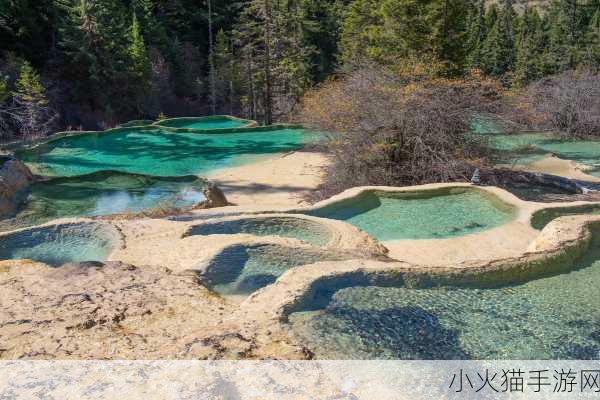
103	193
551	318
289	227
421	215
527	148
240	270
159	153
205	123
59	244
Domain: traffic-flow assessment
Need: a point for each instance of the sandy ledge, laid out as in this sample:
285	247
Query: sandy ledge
149	301
277	181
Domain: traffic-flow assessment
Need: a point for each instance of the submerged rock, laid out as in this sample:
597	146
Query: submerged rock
15	179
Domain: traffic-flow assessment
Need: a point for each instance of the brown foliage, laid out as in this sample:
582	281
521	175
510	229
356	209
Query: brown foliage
387	128
568	104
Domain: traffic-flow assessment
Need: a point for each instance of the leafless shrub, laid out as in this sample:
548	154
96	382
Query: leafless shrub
390	129
568	104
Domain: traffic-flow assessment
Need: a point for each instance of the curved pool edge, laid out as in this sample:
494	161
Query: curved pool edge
343	236
118	237
554	252
161	124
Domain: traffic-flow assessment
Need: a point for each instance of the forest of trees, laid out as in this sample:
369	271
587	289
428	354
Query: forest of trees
95	63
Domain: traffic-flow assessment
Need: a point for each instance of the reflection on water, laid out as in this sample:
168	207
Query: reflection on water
104	193
289	227
240	270
550	318
57	245
159	153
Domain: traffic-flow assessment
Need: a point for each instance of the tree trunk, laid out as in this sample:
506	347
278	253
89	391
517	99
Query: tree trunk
267	66
211	60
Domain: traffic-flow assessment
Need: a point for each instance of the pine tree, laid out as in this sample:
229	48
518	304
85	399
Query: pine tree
140	64
476	36
592	42
360	31
529	63
449	32
499	51
32	112
154	33
94	40
226	71
268	38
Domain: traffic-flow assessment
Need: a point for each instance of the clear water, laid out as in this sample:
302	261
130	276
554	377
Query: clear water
543	217
289	227
103	193
551	318
531	147
241	270
421	215
159	153
60	244
206	124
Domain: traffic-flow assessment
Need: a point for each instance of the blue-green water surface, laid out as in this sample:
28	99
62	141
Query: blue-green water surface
551	318
61	244
159	153
288	227
103	193
206	124
240	270
420	215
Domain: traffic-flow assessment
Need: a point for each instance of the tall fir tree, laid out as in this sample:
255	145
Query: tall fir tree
476	36
591	52
449	33
530	49
499	51
139	64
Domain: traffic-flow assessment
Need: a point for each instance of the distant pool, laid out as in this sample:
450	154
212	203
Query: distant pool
550	318
103	193
205	123
543	217
159	153
530	147
420	215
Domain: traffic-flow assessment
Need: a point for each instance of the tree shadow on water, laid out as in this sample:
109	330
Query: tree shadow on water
400	333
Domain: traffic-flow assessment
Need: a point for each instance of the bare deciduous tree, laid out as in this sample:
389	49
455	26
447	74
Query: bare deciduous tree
388	128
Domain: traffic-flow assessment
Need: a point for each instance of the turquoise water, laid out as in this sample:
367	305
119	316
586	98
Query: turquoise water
289	227
420	215
551	318
60	244
241	270
530	147
206	124
543	217
159	153
103	193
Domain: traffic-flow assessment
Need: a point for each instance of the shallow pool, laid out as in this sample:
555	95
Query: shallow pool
289	227
240	270
531	147
550	318
543	217
205	123
56	245
421	215
104	193
159	153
